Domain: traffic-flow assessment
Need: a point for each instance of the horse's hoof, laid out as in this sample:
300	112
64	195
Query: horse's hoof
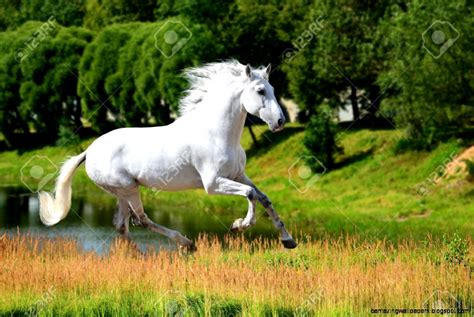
235	229
289	244
237	226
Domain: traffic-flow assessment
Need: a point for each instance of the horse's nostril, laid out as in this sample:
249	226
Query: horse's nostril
280	122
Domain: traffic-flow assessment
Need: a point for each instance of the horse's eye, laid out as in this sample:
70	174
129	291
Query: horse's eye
261	92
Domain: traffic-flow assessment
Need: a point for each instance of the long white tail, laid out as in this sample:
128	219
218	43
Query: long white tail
54	209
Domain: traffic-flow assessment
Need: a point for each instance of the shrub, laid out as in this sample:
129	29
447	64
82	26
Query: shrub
470	169
320	139
456	249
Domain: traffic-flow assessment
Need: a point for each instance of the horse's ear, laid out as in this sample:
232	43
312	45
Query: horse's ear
268	70
248	71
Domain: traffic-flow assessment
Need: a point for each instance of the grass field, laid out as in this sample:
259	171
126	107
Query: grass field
369	240
344	277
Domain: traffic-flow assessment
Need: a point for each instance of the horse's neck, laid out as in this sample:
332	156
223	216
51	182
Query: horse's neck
225	118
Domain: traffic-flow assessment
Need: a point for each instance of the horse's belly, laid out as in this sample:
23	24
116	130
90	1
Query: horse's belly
172	179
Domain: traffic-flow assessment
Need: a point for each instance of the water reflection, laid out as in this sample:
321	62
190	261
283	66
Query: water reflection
90	220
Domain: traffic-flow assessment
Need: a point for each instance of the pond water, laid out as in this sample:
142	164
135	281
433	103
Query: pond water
90	223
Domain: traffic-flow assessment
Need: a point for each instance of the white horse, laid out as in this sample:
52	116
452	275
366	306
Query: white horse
199	149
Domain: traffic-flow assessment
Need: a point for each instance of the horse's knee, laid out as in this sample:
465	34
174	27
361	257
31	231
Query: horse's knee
252	194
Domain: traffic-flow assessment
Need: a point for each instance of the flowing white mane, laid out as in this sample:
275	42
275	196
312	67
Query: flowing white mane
201	78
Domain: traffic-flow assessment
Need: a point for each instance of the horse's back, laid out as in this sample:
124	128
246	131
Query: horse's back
154	157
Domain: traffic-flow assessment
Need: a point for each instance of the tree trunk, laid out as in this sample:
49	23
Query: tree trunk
23	125
254	139
355	104
374	94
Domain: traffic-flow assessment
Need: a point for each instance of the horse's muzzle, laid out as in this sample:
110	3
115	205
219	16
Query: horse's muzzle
279	126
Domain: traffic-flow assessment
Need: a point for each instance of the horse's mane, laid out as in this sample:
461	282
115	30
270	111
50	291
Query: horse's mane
200	79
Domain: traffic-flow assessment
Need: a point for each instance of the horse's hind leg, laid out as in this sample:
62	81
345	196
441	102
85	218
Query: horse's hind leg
136	207
122	218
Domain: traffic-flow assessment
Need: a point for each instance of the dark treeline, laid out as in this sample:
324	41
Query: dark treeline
69	64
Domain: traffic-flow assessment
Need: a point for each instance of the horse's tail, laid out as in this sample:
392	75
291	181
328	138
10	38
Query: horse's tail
54	209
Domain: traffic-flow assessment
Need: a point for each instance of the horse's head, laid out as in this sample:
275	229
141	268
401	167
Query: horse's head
258	98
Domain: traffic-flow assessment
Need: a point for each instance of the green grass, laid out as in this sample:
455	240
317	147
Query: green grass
371	193
334	277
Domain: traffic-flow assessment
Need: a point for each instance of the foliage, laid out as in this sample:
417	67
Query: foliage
130	80
39	78
470	169
320	139
98	63
337	53
100	13
10	79
67	135
430	92
456	249
159	82
48	91
17	12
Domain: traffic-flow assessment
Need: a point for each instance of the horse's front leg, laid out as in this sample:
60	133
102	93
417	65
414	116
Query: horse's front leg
263	199
225	186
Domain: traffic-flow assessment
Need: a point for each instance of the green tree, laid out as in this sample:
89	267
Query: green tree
11	76
254	35
100	13
429	76
17	12
98	63
48	91
40	78
335	57
333	60
9	11
139	73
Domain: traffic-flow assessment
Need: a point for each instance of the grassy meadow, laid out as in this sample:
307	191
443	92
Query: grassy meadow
343	277
368	240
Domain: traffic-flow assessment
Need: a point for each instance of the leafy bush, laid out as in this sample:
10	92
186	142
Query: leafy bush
456	249
320	139
68	135
470	169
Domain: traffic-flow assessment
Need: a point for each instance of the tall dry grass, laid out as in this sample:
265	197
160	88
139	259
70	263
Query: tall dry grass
345	276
